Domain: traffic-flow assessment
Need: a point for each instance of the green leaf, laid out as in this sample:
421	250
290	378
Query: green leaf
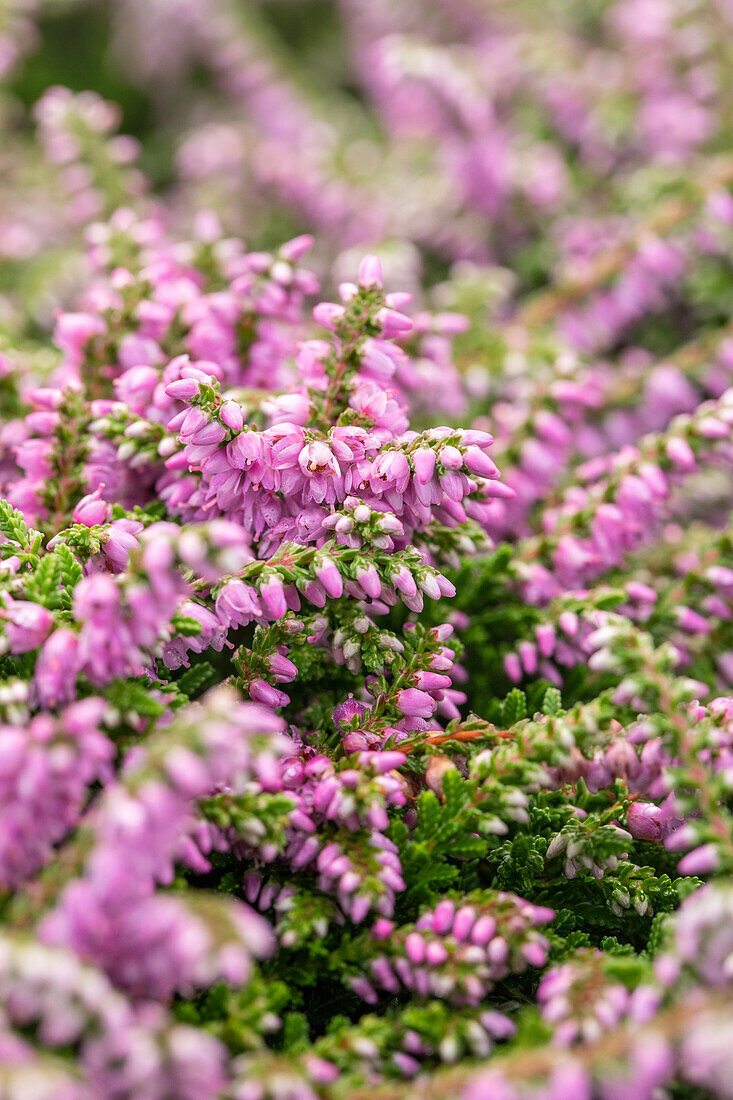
185	625
428	816
514	707
13	525
197	679
133	696
71	571
44	586
552	702
454	793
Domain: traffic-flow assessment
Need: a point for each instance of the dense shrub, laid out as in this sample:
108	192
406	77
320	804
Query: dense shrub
366	589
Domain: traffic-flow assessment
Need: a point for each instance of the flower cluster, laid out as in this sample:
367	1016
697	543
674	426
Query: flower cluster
366	559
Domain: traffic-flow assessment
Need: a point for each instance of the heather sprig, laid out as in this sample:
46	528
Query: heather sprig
366	599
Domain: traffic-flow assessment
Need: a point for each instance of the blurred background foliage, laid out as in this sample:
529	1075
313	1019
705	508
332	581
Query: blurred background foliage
75	47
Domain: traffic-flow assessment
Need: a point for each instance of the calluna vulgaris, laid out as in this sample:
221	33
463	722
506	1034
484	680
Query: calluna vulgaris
366	652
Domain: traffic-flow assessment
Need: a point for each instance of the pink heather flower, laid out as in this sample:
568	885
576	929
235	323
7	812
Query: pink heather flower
403	581
92	510
703	932
329	576
398	299
383	762
120	540
237	604
27	625
569	623
328	314
206	434
393	323
318	458
347	292
136	386
645	821
680	454
528	657
262	692
478	462
74	330
356	741
690	621
513	667
282	669
57	668
368	578
700	861
183	389
232	415
347	711
370	273
390	470
273	597
545	634
415	703
296	249
377	360
245	450
310	358
424	460
431	681
138	351
95	597
292	408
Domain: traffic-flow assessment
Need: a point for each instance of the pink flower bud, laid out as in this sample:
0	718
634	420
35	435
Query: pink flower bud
329	576
393	323
273	597
478	462
512	667
415	703
370	273
27	624
282	669
545	634
368	578
91	509
415	947
431	681
232	415
296	249
701	861
398	299
328	314
355	742
680	453
183	389
644	820
423	461
463	922
262	692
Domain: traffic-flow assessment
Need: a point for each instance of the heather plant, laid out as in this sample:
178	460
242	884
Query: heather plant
366	563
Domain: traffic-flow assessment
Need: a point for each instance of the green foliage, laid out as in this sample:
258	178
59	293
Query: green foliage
552	702
514	707
18	539
196	679
134	698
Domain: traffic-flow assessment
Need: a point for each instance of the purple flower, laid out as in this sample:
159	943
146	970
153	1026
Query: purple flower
92	509
347	711
415	703
26	624
273	597
370	273
57	667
